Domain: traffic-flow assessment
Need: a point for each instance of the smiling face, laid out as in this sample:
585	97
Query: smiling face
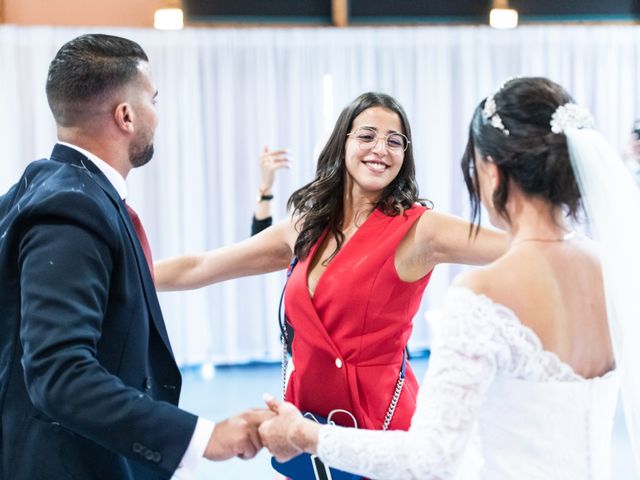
372	165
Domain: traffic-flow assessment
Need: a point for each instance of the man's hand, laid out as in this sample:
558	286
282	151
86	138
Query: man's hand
237	436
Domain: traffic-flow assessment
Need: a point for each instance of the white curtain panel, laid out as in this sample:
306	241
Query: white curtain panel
225	93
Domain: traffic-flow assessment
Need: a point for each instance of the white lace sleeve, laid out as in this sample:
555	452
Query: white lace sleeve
464	358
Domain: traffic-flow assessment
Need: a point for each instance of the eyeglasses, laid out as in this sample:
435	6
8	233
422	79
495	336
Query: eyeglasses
367	137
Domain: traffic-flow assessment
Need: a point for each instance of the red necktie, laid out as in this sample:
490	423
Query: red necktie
142	236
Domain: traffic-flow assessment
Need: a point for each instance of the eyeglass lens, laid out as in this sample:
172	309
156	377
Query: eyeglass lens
368	136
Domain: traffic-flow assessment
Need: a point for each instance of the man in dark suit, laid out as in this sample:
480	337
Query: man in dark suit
88	382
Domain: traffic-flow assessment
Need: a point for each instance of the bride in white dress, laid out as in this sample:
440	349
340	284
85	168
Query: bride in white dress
523	380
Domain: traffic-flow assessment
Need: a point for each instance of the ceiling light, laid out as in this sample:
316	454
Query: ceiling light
501	16
168	19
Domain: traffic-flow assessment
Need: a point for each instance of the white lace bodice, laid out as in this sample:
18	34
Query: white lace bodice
493	404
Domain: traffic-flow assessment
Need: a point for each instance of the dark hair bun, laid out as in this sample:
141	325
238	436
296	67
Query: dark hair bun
531	155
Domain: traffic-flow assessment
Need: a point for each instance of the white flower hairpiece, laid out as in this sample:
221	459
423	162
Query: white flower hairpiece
570	115
490	113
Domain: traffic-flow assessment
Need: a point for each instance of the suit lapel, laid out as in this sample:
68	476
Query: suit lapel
65	154
147	281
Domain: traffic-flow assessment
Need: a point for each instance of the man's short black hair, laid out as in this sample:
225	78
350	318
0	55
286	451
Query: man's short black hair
87	68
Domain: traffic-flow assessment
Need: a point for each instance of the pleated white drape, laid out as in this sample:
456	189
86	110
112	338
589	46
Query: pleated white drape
225	93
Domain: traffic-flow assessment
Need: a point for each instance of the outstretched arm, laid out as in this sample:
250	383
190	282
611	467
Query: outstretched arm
268	251
442	238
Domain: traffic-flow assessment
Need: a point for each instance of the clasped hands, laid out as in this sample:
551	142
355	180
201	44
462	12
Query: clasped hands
280	428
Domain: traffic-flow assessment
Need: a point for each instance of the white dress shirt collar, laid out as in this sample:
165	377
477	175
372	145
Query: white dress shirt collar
111	173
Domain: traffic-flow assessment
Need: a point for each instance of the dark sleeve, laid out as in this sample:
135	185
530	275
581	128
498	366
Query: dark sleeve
258	225
66	273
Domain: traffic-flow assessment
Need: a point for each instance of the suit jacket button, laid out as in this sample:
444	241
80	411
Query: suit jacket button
338	363
137	448
156	457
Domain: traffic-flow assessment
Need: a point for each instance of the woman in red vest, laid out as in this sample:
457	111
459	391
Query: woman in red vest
366	248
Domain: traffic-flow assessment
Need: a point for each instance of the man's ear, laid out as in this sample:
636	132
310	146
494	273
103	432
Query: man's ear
123	116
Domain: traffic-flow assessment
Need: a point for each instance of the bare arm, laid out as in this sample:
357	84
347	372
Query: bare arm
442	238
268	251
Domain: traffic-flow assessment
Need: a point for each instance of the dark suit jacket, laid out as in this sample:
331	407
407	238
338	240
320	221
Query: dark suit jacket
88	382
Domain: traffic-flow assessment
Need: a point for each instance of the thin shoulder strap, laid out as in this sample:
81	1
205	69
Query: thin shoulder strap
282	317
282	322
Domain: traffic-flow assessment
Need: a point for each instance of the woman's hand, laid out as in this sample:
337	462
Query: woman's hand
288	433
270	162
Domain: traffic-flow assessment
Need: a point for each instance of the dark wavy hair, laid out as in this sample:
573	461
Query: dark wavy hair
87	68
531	155
319	203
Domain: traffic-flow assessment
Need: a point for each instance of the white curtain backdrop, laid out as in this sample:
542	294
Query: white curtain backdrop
225	93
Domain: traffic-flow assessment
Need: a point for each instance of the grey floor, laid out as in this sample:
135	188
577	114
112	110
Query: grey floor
233	389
